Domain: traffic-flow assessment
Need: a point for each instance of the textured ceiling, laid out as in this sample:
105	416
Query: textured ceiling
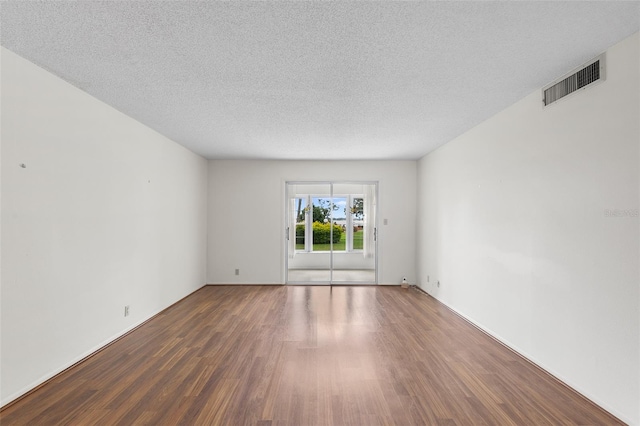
312	80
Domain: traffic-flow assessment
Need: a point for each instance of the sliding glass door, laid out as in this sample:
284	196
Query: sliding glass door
331	232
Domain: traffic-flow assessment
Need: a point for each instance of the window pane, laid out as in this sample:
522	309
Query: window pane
339	223
321	231
299	207
357	212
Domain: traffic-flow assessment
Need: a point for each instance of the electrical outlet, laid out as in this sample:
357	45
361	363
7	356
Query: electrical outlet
237	271
126	311
438	284
427	278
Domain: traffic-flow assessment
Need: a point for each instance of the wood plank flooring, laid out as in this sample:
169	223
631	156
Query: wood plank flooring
250	355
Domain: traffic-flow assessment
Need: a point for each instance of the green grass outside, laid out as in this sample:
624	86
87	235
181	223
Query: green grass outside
358	237
340	246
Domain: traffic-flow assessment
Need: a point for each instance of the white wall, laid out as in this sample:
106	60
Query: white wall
247	225
107	213
512	223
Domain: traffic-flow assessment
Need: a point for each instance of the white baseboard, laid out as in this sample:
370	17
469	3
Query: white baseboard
82	356
533	360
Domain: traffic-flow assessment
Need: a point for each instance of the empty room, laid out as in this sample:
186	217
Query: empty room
319	213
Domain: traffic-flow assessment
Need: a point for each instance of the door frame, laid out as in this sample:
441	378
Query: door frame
287	232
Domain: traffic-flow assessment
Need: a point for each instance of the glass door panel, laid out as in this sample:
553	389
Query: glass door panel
353	264
309	214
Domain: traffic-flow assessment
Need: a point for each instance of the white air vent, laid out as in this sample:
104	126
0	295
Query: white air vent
580	78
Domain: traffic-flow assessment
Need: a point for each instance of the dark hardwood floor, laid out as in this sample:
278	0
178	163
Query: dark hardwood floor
249	355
